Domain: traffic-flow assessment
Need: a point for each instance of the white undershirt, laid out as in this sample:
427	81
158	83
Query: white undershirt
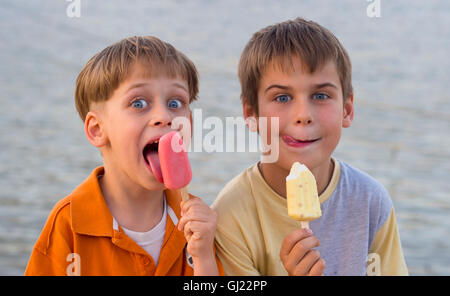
152	240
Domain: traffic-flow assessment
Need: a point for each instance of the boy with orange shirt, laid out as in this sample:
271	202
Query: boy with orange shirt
298	72
122	220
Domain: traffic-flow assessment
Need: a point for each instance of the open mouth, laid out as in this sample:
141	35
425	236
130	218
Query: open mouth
151	157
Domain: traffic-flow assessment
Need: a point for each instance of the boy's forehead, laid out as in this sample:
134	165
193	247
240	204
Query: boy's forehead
289	64
140	72
280	67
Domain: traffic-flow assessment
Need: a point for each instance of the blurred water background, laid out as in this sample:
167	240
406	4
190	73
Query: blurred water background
400	134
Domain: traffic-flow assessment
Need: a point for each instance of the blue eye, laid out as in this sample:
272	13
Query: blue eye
321	96
174	104
139	104
283	98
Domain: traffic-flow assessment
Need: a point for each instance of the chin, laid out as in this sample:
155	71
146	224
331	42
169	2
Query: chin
155	185
152	184
288	161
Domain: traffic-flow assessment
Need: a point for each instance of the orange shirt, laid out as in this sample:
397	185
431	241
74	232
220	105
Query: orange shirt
80	238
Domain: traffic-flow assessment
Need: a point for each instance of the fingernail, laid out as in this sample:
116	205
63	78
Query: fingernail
309	231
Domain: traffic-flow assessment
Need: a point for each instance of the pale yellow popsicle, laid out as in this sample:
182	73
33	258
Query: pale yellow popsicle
301	193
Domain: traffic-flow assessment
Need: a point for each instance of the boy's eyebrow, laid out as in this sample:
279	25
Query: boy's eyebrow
179	85
139	84
276	86
315	86
136	85
320	85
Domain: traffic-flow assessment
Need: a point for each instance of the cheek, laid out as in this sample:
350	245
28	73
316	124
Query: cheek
331	117
270	126
269	111
330	121
331	126
123	133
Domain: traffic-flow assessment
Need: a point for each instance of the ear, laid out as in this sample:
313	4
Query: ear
348	112
93	128
250	117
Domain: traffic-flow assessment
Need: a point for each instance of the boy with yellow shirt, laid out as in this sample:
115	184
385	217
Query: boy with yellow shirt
298	72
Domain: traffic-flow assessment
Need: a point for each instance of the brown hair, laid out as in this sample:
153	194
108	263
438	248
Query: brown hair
106	70
313	44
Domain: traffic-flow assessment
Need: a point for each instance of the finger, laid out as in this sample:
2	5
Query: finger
194	231
291	240
318	268
297	253
188	231
305	265
197	210
183	221
303	247
190	215
207	216
185	205
200	212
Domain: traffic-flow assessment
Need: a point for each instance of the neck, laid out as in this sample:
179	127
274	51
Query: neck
275	176
133	207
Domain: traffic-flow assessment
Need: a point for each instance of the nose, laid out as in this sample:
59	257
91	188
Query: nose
304	121
303	112
160	116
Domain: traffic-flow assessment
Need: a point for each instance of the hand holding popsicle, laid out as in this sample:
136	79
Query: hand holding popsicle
199	222
297	253
298	256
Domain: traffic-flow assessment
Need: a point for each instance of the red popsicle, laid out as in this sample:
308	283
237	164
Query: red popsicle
175	167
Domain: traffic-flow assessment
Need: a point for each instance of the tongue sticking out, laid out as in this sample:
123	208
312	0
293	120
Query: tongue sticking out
155	165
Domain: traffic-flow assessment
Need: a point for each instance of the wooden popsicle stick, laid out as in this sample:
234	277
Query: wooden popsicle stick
304	224
184	194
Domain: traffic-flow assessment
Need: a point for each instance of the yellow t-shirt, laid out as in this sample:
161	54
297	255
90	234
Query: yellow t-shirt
357	231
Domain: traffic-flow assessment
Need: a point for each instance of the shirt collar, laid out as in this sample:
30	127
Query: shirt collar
326	194
90	214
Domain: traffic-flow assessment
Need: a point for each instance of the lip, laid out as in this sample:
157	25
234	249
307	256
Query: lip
154	139
298	143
